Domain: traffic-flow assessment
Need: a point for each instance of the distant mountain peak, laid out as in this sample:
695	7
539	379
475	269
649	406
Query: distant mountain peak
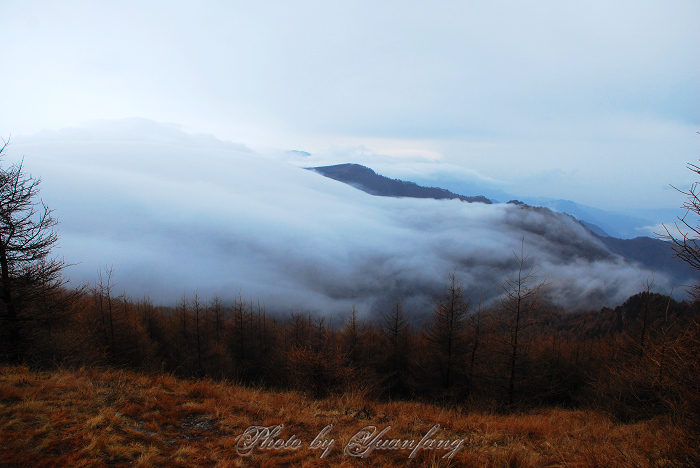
365	179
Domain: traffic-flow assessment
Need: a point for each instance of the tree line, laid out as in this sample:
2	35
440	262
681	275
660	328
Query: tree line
521	352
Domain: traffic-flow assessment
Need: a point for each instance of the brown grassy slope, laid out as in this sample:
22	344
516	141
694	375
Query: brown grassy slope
116	418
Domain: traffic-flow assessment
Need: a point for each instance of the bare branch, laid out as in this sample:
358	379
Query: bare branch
27	236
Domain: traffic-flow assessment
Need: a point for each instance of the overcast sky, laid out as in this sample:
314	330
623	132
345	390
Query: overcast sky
596	101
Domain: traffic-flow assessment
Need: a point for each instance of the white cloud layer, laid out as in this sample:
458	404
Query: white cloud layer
175	212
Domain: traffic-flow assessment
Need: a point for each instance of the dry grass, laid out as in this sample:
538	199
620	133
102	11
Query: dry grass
98	418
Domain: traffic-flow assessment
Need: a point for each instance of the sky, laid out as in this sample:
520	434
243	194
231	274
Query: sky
596	102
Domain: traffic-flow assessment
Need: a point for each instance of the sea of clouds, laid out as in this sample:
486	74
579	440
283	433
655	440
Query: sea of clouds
174	213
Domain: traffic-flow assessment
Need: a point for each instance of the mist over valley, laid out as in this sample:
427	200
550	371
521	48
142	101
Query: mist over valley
174	213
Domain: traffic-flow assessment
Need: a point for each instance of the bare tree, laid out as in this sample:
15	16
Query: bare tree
351	333
683	354
219	315
476	328
197	309
103	291
27	235
685	239
395	329
519	306
445	334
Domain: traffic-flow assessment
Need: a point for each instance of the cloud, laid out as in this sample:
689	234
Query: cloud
190	213
505	89
675	228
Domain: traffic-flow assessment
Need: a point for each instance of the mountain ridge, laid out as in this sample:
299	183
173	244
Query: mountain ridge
648	252
365	179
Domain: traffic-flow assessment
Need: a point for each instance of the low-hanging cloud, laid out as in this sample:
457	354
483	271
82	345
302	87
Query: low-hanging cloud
174	213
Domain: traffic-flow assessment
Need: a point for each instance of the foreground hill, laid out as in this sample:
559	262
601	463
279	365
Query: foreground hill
117	418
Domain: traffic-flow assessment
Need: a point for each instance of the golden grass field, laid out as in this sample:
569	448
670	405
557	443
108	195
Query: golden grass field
93	417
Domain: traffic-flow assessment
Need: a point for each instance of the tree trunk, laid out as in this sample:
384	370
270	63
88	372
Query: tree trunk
10	319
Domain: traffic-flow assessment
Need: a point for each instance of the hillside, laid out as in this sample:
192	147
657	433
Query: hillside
654	254
96	417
